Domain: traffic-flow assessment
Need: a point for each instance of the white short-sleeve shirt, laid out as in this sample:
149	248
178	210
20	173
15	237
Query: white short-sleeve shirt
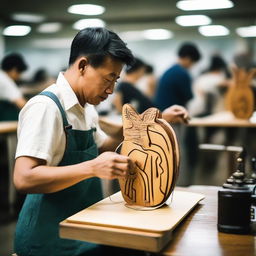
40	129
8	89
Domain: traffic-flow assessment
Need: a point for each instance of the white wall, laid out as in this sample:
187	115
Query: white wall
161	54
2	49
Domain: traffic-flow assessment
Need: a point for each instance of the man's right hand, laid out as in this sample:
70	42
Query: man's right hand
110	165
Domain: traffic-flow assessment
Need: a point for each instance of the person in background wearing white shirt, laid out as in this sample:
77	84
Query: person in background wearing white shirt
11	98
208	89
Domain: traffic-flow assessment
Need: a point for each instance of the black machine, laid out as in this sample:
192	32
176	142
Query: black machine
237	200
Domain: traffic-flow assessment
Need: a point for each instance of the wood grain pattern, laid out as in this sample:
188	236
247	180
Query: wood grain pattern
240	98
198	234
152	144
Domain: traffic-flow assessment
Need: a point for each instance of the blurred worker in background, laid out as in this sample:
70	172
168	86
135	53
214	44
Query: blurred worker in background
209	88
127	92
175	84
11	98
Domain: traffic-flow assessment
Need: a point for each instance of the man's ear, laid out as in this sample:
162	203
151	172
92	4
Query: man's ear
82	64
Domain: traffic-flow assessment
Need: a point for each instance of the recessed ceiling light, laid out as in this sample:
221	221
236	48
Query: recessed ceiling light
51	27
157	34
86	9
191	5
132	35
192	20
28	17
16	30
213	30
85	23
249	31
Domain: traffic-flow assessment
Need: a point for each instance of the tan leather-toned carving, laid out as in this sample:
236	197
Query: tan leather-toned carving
151	143
240	98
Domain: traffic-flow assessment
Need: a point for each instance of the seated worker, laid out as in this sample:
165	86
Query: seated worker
11	98
57	162
127	92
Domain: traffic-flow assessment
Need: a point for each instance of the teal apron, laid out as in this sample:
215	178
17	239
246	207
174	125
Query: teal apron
37	230
8	111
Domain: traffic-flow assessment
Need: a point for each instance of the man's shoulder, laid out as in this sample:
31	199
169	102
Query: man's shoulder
5	79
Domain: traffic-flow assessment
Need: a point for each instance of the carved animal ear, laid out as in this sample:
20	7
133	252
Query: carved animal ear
129	113
150	115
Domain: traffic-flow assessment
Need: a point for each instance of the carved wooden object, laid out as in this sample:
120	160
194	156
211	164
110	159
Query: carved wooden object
151	143
240	98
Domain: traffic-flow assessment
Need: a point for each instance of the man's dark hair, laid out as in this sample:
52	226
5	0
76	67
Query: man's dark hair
189	50
13	60
97	44
135	65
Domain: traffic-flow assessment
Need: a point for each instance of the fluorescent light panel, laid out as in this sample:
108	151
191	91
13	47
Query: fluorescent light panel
249	31
86	23
132	36
86	9
157	34
213	30
16	30
192	20
51	27
191	5
28	17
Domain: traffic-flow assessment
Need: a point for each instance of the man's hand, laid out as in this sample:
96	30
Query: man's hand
176	114
110	165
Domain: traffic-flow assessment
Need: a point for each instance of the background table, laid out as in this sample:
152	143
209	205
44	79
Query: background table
221	119
8	131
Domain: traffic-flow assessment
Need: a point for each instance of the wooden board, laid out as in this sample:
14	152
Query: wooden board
112	223
115	213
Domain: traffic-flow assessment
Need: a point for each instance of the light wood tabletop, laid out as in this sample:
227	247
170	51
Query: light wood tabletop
8	127
222	119
198	234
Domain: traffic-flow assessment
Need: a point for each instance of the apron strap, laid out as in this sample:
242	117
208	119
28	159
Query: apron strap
56	100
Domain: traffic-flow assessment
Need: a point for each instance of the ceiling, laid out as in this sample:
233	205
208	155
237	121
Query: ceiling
124	15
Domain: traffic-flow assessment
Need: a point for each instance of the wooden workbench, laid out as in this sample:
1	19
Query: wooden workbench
197	234
221	119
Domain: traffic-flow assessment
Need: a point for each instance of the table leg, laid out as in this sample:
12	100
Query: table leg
11	149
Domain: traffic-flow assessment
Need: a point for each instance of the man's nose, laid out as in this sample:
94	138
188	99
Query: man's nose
110	89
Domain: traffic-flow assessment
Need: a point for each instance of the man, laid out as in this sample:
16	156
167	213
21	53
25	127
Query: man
175	84
11	98
57	161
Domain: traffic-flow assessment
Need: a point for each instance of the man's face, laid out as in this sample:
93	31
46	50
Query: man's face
99	82
15	74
